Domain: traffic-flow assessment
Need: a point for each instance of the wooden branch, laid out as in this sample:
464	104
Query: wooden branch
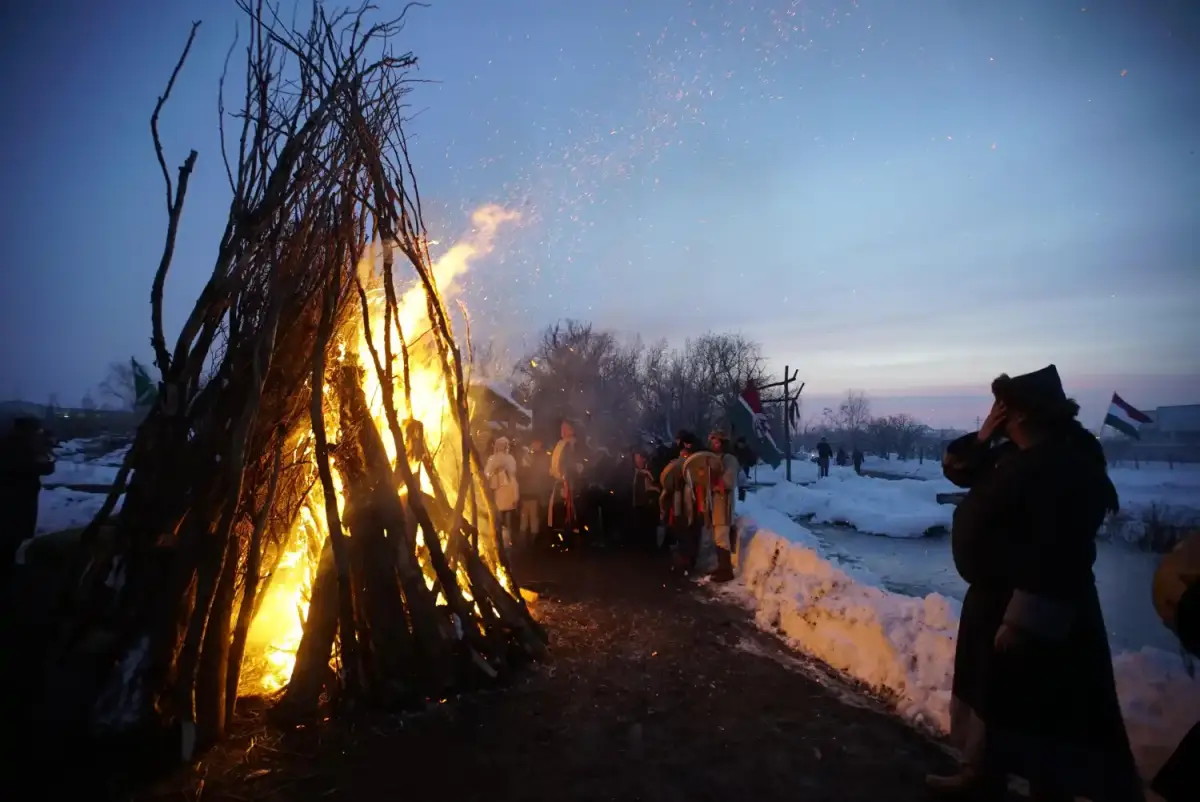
158	107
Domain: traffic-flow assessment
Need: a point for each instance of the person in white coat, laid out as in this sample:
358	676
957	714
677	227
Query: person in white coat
501	474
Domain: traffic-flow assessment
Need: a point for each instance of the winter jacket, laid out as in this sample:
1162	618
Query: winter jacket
533	474
501	473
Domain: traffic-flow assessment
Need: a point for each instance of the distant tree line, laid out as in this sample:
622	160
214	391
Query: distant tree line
617	388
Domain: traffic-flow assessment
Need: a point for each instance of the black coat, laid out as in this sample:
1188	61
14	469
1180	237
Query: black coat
1024	540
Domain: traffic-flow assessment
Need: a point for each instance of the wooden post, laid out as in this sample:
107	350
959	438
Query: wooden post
787	429
786	399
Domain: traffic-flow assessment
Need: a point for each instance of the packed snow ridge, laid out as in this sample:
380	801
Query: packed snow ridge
902	647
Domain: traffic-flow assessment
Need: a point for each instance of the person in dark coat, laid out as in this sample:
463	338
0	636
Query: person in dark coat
533	477
841	458
1034	693
1177	599
25	457
643	502
858	458
747	459
824	454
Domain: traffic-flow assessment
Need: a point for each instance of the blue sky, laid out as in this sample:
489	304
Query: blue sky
902	197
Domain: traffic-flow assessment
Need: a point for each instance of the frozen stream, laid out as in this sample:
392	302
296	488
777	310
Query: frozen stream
920	566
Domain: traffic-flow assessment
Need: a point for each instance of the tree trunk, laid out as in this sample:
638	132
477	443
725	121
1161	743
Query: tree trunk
311	673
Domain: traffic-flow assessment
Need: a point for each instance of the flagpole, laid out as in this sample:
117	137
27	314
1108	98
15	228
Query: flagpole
1100	428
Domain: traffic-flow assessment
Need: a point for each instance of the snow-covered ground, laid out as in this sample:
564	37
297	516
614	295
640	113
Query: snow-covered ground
907	506
811	591
61	507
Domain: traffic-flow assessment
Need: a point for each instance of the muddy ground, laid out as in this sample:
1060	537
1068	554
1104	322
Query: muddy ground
657	691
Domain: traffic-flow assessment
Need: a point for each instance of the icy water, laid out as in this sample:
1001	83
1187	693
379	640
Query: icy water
920	566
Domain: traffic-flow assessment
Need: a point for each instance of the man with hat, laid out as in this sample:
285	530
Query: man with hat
1033	693
676	506
724	489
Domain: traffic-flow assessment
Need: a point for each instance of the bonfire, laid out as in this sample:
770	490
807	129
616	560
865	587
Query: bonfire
304	516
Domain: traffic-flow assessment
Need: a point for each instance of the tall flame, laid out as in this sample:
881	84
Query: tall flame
279	623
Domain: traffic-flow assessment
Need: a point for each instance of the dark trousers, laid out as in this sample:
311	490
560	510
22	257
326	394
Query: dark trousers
823	467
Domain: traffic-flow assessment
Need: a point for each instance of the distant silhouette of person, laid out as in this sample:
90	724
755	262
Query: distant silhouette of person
858	460
824	454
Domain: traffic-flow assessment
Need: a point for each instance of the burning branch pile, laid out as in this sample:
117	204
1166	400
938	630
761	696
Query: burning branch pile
304	508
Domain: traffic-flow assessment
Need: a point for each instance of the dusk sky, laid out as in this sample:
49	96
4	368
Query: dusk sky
904	197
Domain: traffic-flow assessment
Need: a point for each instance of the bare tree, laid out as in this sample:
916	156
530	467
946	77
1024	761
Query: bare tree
489	362
577	371
895	434
118	387
854	413
693	386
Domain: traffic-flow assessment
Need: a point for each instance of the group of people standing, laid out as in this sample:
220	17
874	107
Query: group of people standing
825	455
677	497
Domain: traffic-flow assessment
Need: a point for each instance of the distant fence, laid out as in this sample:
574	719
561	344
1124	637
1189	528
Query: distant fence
1128	452
74	424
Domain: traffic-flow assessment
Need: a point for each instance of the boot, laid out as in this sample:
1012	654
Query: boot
724	572
968	785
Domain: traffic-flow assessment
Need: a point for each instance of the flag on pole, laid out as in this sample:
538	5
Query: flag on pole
1125	418
144	391
747	420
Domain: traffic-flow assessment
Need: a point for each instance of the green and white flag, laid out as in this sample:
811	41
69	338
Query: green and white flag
144	390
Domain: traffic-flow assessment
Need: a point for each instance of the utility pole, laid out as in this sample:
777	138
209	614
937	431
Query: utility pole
788	399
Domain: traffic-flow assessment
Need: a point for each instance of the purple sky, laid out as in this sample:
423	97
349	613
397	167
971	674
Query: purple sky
902	197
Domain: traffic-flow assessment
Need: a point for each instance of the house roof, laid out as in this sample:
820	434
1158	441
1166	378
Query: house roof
499	396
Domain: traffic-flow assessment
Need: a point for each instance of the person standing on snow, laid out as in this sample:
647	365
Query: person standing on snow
1033	693
824	454
501	474
857	456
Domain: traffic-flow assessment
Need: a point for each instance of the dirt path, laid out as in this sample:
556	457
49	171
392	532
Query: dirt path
657	692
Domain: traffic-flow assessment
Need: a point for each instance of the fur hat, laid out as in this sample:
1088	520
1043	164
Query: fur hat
1039	393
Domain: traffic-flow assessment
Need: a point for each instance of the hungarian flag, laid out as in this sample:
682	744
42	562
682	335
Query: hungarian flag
1125	418
747	420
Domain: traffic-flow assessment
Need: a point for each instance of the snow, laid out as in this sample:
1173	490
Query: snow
899	508
61	507
907	506
902	646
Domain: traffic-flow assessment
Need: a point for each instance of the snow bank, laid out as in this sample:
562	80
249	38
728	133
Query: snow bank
916	469
903	647
61	508
1154	495
73	464
893	508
